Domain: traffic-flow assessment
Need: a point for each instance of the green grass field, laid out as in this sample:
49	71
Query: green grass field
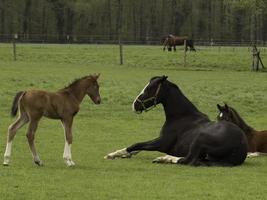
210	77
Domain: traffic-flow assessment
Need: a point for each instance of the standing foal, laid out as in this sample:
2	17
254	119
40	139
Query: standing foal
62	105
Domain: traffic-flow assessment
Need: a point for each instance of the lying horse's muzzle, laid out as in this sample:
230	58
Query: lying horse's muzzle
137	107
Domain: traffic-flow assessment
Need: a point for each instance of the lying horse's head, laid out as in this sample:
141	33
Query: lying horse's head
149	97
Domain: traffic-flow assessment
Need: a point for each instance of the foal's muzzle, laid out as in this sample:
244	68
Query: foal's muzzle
96	100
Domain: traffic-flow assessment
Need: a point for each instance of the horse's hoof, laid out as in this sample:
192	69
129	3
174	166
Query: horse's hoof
72	163
69	162
6	160
126	156
156	161
167	159
39	162
109	157
160	159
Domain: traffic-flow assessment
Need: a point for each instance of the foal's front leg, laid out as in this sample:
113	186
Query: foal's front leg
152	145
67	125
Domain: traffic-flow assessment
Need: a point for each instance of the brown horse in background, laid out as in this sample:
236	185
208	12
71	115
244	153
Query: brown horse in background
172	41
62	105
257	140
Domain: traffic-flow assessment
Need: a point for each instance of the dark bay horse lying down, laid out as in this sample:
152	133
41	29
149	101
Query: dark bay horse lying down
62	105
187	132
257	140
172	41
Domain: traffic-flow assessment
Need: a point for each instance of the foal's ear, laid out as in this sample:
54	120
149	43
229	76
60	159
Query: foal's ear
164	78
220	108
96	76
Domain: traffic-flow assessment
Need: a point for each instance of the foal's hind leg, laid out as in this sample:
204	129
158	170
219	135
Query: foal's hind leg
30	136
67	125
22	120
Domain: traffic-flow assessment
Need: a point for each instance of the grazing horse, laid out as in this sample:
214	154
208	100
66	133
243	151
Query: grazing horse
62	105
187	132
171	41
257	140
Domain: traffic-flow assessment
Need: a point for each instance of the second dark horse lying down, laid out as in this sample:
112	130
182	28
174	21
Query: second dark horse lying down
187	132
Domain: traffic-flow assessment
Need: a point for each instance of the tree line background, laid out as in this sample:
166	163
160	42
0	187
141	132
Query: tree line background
133	20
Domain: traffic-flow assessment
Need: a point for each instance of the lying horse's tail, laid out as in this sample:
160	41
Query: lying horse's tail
15	103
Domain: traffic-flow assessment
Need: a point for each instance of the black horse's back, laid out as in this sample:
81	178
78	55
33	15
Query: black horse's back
225	147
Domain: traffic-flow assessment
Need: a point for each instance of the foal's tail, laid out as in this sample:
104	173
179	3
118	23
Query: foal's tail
15	103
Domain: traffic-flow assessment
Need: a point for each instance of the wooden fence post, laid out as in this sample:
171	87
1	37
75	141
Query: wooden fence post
185	53
121	52
119	20
14	47
256	59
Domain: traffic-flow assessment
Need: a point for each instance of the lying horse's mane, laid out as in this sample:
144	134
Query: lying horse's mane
166	81
172	84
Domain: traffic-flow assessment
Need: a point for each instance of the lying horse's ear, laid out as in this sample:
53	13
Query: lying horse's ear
219	107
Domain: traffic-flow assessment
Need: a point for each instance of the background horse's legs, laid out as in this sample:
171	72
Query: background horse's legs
30	136
67	125
22	120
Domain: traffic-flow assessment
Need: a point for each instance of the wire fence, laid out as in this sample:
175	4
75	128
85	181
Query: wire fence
112	39
129	52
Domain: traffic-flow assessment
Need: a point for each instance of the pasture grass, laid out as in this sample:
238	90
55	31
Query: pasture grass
212	76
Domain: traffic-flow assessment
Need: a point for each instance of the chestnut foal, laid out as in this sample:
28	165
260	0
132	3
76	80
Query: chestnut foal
257	140
62	105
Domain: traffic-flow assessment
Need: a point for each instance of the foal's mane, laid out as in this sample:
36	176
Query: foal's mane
241	123
75	81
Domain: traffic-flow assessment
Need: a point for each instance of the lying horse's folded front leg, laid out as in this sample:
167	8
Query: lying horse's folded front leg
122	153
152	145
167	159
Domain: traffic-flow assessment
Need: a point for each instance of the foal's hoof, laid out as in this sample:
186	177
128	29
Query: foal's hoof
39	162
69	162
6	161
